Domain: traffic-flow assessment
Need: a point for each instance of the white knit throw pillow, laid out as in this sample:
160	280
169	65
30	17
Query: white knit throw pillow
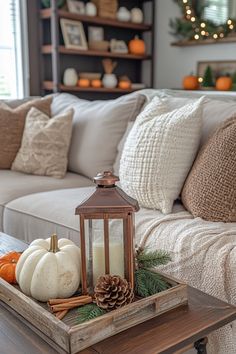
159	153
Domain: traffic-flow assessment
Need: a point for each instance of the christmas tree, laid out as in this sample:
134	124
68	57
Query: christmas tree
234	81
208	78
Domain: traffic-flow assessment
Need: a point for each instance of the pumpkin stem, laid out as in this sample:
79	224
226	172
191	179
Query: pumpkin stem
54	244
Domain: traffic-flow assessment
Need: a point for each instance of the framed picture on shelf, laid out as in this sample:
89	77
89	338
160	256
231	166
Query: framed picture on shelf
73	34
118	46
219	68
76	7
95	34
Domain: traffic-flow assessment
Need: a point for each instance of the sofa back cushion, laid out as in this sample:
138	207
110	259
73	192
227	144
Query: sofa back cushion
98	126
210	189
12	123
45	144
216	107
159	153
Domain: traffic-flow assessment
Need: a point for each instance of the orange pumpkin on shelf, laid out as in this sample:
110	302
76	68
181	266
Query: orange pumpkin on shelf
190	82
83	83
96	83
137	46
124	85
8	266
224	83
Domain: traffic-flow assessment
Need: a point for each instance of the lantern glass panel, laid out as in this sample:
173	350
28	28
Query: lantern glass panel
97	264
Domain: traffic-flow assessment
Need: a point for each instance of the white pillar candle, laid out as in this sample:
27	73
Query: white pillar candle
116	252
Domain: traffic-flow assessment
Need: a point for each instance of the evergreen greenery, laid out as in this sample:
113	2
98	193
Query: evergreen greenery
208	78
184	28
150	259
149	283
89	312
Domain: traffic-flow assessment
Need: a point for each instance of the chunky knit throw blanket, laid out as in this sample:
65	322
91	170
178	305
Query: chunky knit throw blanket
203	254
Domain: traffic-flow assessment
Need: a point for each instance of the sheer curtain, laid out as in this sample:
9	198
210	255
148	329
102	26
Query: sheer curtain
13	46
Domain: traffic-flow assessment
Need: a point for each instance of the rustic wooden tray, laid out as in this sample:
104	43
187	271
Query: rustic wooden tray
68	336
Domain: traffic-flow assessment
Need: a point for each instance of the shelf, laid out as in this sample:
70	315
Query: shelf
47	49
188	43
48	85
46	14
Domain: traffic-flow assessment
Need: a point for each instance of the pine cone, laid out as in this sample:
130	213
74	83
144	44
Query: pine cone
112	292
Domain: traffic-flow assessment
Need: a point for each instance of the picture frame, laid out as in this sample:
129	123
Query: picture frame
76	7
118	46
95	34
73	34
219	68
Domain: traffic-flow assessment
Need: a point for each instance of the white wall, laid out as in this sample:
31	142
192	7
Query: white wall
173	63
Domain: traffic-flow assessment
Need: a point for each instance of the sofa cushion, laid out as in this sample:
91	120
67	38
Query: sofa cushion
15	184
41	214
12	123
33	216
98	127
45	144
159	153
210	189
216	107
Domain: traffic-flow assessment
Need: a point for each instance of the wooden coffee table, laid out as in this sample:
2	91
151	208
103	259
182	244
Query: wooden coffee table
173	332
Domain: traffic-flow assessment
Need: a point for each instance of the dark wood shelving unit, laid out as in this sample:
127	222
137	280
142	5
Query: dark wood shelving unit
48	49
48	85
47	13
55	57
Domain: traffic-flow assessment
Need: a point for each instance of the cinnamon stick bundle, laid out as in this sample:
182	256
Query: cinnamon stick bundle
60	307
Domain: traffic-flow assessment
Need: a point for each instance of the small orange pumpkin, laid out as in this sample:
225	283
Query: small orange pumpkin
137	46
8	266
96	83
83	83
190	82
224	83
124	84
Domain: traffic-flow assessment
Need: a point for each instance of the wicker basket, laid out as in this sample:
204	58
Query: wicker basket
106	8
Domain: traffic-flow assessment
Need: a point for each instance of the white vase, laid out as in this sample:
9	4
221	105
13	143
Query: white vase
109	81
90	9
136	15
123	14
70	77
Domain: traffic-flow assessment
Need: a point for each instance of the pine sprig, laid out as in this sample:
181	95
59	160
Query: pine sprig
89	312
150	259
148	283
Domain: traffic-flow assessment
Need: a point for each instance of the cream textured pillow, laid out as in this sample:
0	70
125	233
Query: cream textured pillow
45	144
159	153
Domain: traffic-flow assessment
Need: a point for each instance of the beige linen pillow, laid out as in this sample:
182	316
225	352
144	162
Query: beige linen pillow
210	189
98	127
12	123
45	144
159	153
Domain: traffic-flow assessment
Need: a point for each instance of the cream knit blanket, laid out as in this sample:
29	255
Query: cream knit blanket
203	254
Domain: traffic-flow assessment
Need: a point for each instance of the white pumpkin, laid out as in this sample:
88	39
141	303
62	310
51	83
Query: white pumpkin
49	269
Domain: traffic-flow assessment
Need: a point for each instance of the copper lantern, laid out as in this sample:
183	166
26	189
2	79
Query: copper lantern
106	232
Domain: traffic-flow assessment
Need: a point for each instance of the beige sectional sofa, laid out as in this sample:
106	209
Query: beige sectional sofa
203	253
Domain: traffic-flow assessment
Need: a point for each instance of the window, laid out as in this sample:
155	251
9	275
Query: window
217	11
11	51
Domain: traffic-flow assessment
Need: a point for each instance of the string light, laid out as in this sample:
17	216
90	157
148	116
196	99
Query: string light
200	80
200	29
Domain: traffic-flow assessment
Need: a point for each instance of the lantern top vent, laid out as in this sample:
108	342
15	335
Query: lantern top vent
106	179
107	198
